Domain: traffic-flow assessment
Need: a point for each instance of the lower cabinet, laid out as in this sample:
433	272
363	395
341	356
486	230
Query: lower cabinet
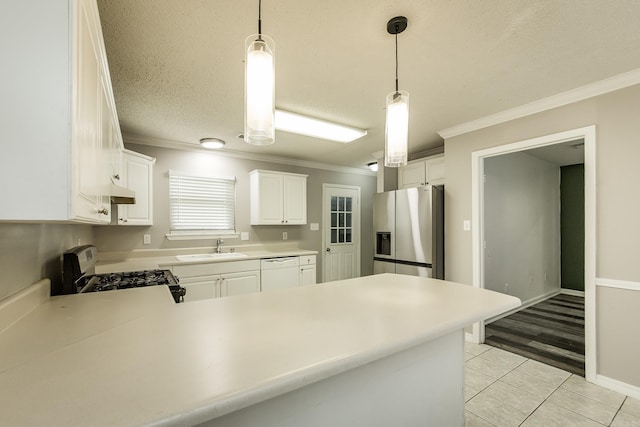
307	270
239	283
220	279
225	279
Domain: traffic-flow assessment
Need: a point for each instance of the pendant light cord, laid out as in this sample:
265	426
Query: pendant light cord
396	62
259	19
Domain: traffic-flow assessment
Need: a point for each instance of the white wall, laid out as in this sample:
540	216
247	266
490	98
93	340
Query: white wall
615	116
522	225
127	238
30	252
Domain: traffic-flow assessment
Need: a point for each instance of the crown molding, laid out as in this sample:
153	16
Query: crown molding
179	145
581	93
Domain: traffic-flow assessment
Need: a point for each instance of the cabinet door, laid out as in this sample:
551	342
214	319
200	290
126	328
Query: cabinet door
412	175
137	175
435	171
269	199
295	199
87	128
307	275
247	282
199	288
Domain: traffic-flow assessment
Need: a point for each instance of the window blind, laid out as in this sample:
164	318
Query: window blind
201	203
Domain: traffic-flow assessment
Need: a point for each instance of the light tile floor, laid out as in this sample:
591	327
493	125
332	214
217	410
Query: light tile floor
504	389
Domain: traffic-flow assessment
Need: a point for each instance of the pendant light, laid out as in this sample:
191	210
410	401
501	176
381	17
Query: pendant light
397	128
259	87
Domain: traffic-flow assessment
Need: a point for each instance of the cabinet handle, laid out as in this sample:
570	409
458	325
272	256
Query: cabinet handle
103	211
123	220
328	249
117	176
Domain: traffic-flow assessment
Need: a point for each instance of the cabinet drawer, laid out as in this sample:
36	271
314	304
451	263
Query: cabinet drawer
308	260
193	270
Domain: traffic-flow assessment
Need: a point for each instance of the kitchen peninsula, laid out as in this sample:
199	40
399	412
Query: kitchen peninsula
376	351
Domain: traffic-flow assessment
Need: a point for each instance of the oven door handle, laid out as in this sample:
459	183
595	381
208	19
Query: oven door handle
89	285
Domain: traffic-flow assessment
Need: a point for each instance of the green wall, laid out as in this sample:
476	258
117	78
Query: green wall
572	226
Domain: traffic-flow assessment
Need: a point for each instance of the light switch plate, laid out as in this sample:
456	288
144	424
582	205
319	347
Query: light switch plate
146	239
466	225
314	226
244	235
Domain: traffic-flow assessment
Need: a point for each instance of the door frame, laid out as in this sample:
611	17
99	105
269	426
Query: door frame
325	188
588	134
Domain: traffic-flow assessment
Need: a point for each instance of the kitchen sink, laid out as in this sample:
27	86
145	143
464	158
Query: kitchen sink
210	256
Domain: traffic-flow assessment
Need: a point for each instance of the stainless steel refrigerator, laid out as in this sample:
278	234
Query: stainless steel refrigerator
408	230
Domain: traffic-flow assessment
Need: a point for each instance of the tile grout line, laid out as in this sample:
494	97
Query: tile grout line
619	409
545	399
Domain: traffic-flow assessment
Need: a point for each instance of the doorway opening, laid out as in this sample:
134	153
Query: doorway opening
517	240
535	251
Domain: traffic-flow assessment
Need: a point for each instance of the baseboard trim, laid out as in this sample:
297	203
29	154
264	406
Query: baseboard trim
618	386
524	305
572	292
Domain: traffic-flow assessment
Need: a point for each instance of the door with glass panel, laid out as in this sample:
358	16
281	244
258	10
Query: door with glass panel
341	223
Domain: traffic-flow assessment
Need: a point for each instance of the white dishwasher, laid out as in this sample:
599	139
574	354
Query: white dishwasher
279	273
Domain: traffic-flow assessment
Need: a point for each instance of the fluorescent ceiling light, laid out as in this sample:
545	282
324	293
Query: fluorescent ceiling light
303	125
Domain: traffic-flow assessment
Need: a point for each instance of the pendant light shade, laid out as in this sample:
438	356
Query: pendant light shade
397	127
259	88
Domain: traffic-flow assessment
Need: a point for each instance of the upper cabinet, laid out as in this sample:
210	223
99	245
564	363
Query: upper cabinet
63	145
278	198
137	175
417	173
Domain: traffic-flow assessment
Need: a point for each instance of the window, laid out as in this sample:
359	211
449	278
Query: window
201	205
341	211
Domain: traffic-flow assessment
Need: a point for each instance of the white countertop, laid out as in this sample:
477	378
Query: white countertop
133	357
162	261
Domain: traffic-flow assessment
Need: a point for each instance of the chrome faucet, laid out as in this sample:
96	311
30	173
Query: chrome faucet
219	244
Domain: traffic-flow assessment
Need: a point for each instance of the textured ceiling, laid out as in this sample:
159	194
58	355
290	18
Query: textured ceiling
178	75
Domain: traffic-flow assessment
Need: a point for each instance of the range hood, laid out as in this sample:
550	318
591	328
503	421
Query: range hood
121	195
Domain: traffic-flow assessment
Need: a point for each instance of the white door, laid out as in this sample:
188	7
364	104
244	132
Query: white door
341	236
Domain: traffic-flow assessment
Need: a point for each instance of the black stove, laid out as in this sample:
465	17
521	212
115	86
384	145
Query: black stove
133	279
78	276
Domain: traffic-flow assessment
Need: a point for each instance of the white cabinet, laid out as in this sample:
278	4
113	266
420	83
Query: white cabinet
247	282
278	198
428	171
220	279
62	127
137	175
307	270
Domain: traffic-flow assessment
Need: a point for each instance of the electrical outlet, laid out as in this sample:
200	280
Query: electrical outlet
466	225
506	288
146	239
314	226
284	235
244	235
